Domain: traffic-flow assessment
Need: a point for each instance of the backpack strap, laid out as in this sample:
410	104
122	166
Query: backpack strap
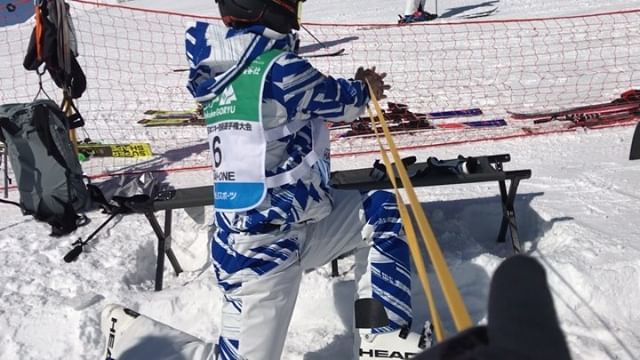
40	122
8	126
3	123
62	225
74	120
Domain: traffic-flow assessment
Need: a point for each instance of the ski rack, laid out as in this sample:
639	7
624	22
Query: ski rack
490	168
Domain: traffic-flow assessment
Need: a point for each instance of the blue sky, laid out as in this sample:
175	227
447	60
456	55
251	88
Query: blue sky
15	11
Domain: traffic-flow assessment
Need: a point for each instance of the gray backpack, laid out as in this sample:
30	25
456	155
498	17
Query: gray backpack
45	166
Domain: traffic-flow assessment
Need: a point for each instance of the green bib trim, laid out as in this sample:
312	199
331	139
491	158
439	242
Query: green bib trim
242	98
237	138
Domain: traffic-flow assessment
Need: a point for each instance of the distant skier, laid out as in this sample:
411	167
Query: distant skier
414	12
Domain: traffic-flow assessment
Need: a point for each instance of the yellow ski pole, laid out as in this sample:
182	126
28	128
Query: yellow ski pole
412	239
458	310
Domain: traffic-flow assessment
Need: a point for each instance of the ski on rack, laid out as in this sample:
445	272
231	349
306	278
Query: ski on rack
175	116
589	110
398	108
620	118
589	114
623	118
324	54
173	121
628	100
397	112
365	130
161	117
125	150
472	124
163	112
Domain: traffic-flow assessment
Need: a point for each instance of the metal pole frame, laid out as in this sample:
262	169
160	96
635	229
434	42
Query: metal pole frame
6	170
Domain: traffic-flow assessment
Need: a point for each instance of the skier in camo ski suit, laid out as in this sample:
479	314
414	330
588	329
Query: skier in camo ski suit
276	214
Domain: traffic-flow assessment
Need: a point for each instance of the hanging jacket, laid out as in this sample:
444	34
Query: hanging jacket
293	92
53	43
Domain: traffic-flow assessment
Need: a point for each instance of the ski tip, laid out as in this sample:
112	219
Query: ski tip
326	54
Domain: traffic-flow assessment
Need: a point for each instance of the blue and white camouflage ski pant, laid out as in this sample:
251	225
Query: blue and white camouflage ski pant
260	274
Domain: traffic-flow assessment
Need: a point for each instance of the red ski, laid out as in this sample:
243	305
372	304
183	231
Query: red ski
397	113
606	120
594	110
365	130
628	101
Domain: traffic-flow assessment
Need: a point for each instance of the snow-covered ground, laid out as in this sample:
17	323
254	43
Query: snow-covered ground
377	11
577	215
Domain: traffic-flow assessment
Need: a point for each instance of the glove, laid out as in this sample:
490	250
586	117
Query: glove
375	80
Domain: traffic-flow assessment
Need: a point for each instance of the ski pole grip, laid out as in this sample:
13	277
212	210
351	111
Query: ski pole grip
73	254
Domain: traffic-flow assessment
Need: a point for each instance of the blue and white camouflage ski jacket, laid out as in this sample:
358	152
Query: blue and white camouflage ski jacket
294	90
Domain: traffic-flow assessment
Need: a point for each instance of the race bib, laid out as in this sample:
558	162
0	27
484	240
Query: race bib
237	139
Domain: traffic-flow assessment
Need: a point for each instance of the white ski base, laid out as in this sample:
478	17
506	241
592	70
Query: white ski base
393	346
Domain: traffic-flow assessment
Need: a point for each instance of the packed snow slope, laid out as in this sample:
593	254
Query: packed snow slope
577	215
384	11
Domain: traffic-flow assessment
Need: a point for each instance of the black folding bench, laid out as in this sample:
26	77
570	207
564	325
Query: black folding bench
360	179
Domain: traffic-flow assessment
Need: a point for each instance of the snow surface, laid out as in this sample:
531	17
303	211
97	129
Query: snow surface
577	215
376	11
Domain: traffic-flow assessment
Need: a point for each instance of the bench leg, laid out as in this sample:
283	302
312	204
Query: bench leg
164	247
334	268
509	214
167	235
